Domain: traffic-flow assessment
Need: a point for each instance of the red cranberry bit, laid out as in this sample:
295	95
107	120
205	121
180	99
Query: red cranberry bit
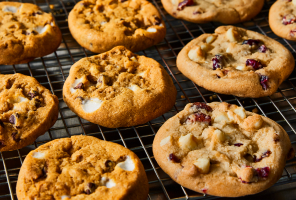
196	12
202	106
263	172
184	3
262	48
254	63
199	117
2	144
292	32
244	181
238	144
217	62
174	158
263	81
204	190
79	86
288	19
251	42
264	155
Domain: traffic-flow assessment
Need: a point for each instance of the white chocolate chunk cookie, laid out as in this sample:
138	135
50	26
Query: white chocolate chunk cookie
119	89
26	32
282	19
82	168
100	25
224	11
237	62
27	110
220	149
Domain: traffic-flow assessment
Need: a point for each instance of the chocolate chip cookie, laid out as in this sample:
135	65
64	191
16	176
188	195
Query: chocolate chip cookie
27	110
82	168
224	11
236	61
220	149
282	18
119	89
100	25
26	32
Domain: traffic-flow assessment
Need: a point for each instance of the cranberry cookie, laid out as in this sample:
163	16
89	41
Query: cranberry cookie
236	61
220	149
224	11
119	89
100	25
26	32
82	168
27	110
282	18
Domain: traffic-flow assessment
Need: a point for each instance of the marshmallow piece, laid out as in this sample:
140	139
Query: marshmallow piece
196	54
91	105
240	111
109	183
152	30
127	165
219	135
188	142
40	29
72	90
38	155
134	88
211	39
10	9
231	35
165	141
65	196
203	164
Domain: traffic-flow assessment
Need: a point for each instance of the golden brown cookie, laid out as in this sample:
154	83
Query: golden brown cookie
224	11
220	149
236	61
27	110
100	25
282	17
119	89
26	32
82	168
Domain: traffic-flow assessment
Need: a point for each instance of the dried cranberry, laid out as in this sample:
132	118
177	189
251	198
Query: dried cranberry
174	158
2	144
288	19
292	32
263	172
266	154
79	86
204	190
238	144
276	138
184	3
201	117
89	188
291	154
157	21
202	106
33	94
244	181
254	63
263	81
12	119
196	12
251	42
217	62
262	48
14	137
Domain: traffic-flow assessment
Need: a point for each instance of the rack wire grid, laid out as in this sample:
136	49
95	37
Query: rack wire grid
52	70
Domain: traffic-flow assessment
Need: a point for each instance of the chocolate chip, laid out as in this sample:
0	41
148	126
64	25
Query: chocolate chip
2	144
122	158
79	86
89	188
79	97
37	103
1	124
238	144
157	21
108	163
33	94
12	119
44	171
14	137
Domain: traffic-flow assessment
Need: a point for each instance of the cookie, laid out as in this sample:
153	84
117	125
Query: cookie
202	11
26	32
82	167
282	17
236	61
100	25
220	149
119	89
27	110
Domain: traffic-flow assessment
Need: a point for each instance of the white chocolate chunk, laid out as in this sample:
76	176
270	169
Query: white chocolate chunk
221	117
91	105
40	29
127	165
10	9
219	135
134	88
242	68
240	111
22	99
211	39
165	141
109	183
188	142
152	30
231	35
161	25
203	164
205	47
294	2
65	196
134	59
102	23
196	54
258	124
38	155
72	90
142	73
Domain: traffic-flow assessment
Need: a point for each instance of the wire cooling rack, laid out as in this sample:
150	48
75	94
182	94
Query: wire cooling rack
52	70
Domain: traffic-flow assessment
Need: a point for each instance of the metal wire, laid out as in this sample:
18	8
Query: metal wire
52	70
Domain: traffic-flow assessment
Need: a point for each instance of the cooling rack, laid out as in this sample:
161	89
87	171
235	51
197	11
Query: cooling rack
52	70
